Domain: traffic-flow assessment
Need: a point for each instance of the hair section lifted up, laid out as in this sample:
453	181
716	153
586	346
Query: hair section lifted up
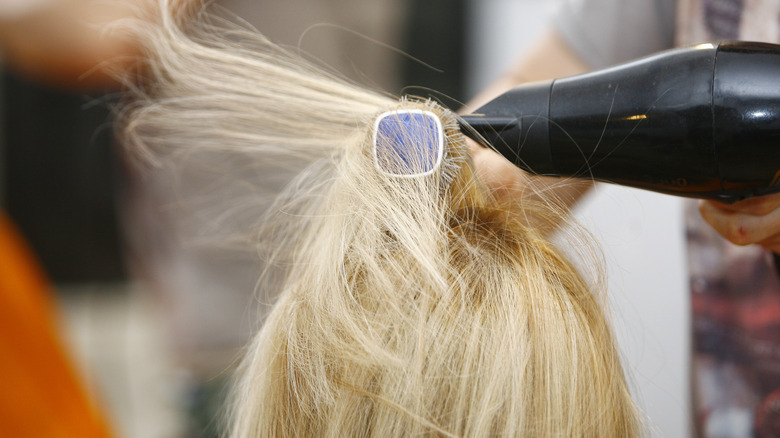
408	306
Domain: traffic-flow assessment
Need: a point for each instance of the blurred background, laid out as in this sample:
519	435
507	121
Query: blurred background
155	326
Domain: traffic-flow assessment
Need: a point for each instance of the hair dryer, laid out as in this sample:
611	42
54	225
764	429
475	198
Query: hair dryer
701	122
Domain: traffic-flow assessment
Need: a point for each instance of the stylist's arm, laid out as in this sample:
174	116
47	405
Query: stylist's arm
550	57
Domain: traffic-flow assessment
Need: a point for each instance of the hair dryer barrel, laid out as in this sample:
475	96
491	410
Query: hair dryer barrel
701	122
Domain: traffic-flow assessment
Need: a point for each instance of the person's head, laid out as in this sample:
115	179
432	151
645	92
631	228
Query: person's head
408	306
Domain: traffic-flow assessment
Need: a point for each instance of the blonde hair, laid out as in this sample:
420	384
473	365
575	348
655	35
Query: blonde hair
409	306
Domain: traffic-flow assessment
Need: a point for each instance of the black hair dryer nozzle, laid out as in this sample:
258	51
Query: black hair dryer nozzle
700	122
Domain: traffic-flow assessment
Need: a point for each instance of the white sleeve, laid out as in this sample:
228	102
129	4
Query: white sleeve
607	32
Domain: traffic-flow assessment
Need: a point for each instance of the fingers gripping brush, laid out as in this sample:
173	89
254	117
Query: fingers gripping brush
699	122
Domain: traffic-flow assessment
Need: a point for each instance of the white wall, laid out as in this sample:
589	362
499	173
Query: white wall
499	31
641	234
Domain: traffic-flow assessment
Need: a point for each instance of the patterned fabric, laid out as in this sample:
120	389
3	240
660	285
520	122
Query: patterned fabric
722	18
735	301
735	291
701	21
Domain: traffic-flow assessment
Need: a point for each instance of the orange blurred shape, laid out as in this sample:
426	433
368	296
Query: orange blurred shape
41	394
